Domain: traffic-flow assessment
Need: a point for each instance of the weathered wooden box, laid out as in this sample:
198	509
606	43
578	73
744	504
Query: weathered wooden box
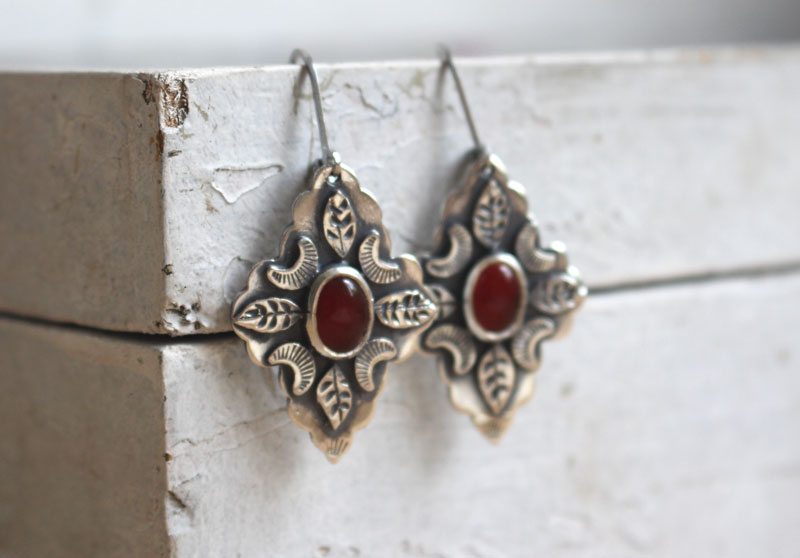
132	422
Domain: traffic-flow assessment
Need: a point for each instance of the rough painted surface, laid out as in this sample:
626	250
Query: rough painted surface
647	165
82	469
665	425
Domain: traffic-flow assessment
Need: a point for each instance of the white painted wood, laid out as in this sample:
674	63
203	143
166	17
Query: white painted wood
648	165
664	426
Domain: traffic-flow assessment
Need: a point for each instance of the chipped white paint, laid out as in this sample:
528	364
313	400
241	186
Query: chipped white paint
664	426
234	182
144	195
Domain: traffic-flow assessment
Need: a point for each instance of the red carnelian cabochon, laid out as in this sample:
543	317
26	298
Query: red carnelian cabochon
496	297
342	314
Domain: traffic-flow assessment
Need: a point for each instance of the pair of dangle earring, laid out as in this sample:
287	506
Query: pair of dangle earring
334	307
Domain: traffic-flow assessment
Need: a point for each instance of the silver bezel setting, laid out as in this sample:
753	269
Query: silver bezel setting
313	299
469	312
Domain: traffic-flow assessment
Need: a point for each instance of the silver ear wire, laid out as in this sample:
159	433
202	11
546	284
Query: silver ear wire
447	63
301	56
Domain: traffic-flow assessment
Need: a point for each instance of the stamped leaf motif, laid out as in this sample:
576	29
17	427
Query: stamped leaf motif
490	218
334	396
373	267
302	272
375	351
405	309
299	359
458	342
558	293
339	223
533	258
496	376
457	256
525	345
445	301
336	448
269	315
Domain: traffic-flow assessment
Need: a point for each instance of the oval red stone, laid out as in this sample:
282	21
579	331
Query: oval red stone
496	297
342	314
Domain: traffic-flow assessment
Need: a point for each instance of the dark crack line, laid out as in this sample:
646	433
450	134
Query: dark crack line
756	273
133	336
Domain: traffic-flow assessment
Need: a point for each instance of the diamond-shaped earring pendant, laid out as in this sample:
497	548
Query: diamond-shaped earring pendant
334	307
500	292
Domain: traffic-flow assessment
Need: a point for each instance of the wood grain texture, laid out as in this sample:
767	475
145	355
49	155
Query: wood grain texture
663	426
139	202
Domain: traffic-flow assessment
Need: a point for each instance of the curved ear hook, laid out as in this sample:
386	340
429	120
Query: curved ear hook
447	63
301	56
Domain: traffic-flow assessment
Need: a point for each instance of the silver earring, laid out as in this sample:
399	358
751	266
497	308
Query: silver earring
500	293
334	307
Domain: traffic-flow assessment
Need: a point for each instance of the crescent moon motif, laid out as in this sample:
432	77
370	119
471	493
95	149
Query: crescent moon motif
525	345
302	272
533	258
375	351
299	359
458	342
457	257
376	270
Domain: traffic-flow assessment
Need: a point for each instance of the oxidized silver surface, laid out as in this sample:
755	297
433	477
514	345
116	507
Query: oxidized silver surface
490	374
336	231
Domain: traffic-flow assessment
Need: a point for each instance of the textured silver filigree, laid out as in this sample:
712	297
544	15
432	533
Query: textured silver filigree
458	341
534	258
339	223
558	293
405	309
334	396
301	273
336	231
489	374
375	269
269	315
444	299
377	350
299	359
490	217
457	256
525	345
496	376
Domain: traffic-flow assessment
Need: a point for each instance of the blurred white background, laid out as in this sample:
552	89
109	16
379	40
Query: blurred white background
149	33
